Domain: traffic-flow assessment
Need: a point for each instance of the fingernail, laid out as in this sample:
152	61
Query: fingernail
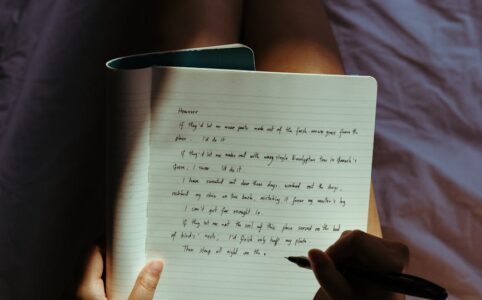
155	267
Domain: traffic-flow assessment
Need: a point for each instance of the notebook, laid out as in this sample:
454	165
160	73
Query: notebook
223	171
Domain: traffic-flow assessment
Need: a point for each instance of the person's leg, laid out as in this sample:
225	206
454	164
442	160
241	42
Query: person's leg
197	23
290	36
295	36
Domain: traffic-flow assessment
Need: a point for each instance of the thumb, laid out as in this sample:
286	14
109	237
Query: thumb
92	285
332	281
147	280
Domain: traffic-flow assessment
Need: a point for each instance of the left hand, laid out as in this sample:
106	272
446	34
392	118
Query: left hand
92	286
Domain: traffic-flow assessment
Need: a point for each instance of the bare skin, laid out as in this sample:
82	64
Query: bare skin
291	37
287	36
353	247
358	249
183	24
91	286
198	23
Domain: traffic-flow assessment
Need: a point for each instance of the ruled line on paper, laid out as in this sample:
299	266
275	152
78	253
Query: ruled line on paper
214	150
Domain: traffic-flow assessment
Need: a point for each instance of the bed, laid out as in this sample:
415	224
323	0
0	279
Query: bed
426	56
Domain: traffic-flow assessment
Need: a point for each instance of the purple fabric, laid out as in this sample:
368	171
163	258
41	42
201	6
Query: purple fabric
50	143
426	56
52	56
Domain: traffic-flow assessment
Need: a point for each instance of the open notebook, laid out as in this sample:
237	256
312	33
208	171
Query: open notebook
223	173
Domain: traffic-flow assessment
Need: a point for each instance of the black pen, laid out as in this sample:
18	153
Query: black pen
391	281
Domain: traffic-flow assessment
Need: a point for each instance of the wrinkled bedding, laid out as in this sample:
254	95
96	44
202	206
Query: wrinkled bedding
427	171
426	56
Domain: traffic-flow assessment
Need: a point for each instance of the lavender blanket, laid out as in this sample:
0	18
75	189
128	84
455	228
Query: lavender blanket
426	56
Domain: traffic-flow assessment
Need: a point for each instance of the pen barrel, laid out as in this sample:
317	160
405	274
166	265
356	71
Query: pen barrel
398	283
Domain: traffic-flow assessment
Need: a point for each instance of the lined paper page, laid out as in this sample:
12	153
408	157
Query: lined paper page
128	152
248	168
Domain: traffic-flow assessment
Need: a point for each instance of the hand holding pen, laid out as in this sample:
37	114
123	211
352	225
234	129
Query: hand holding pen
362	266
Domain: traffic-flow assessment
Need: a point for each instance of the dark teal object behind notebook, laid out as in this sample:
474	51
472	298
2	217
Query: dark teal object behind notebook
235	56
